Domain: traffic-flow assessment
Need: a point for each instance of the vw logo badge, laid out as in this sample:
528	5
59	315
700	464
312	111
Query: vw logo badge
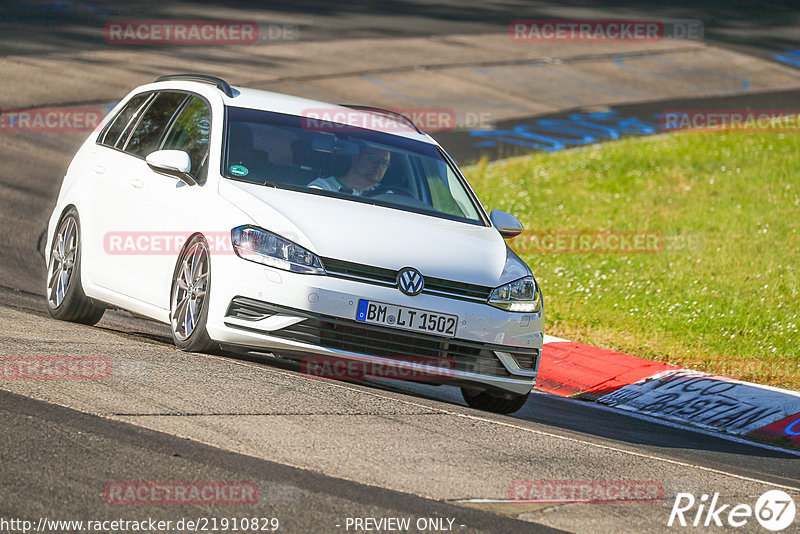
410	281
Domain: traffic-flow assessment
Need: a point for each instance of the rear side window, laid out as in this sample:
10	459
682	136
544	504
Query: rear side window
116	126
190	131
147	134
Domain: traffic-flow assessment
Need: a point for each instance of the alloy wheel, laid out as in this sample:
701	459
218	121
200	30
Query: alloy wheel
62	262
189	291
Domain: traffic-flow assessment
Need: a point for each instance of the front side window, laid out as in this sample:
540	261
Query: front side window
153	123
190	132
357	164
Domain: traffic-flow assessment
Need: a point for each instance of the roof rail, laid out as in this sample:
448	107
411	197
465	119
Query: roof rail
387	112
221	84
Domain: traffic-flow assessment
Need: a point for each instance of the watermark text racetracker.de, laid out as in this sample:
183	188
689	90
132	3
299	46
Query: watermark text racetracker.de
417	369
530	242
162	242
731	120
603	30
54	368
605	242
66	119
585	491
343	120
196	32
171	493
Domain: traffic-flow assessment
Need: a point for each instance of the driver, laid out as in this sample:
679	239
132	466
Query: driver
365	173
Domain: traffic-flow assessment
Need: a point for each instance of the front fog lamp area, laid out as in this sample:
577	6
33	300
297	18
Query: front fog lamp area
258	245
519	296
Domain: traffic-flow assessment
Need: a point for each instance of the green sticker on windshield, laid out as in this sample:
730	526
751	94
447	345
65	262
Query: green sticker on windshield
238	170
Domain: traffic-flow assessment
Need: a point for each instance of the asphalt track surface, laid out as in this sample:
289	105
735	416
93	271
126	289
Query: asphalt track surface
302	501
320	451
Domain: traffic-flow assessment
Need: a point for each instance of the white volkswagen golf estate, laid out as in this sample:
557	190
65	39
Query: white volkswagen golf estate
250	219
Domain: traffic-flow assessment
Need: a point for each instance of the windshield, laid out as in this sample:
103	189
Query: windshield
361	165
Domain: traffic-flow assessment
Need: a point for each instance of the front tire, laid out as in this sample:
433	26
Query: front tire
189	298
66	300
504	403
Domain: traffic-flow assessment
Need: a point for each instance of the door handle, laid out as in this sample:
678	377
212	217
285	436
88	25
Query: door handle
137	183
99	169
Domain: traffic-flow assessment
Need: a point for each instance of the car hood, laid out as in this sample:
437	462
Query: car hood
376	235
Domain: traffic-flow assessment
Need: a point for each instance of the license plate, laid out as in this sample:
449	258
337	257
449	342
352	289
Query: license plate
406	318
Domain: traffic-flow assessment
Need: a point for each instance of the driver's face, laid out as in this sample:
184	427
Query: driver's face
372	164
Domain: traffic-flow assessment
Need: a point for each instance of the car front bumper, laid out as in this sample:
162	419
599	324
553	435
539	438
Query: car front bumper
307	316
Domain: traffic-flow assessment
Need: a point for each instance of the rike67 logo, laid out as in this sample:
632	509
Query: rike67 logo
774	510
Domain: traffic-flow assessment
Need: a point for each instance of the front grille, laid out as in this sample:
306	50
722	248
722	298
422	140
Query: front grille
388	277
357	271
351	336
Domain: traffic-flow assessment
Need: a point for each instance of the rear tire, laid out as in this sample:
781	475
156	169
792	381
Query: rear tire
191	284
66	300
504	403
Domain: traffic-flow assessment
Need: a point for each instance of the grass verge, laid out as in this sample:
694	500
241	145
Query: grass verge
721	292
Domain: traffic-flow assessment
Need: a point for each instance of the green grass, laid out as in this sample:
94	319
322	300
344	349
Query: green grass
728	306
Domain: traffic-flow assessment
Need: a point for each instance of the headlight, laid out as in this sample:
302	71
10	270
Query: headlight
519	296
261	246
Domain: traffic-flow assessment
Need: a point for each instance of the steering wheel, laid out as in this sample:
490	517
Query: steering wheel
389	189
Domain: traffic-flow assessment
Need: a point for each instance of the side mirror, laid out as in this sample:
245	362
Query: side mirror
508	225
173	163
